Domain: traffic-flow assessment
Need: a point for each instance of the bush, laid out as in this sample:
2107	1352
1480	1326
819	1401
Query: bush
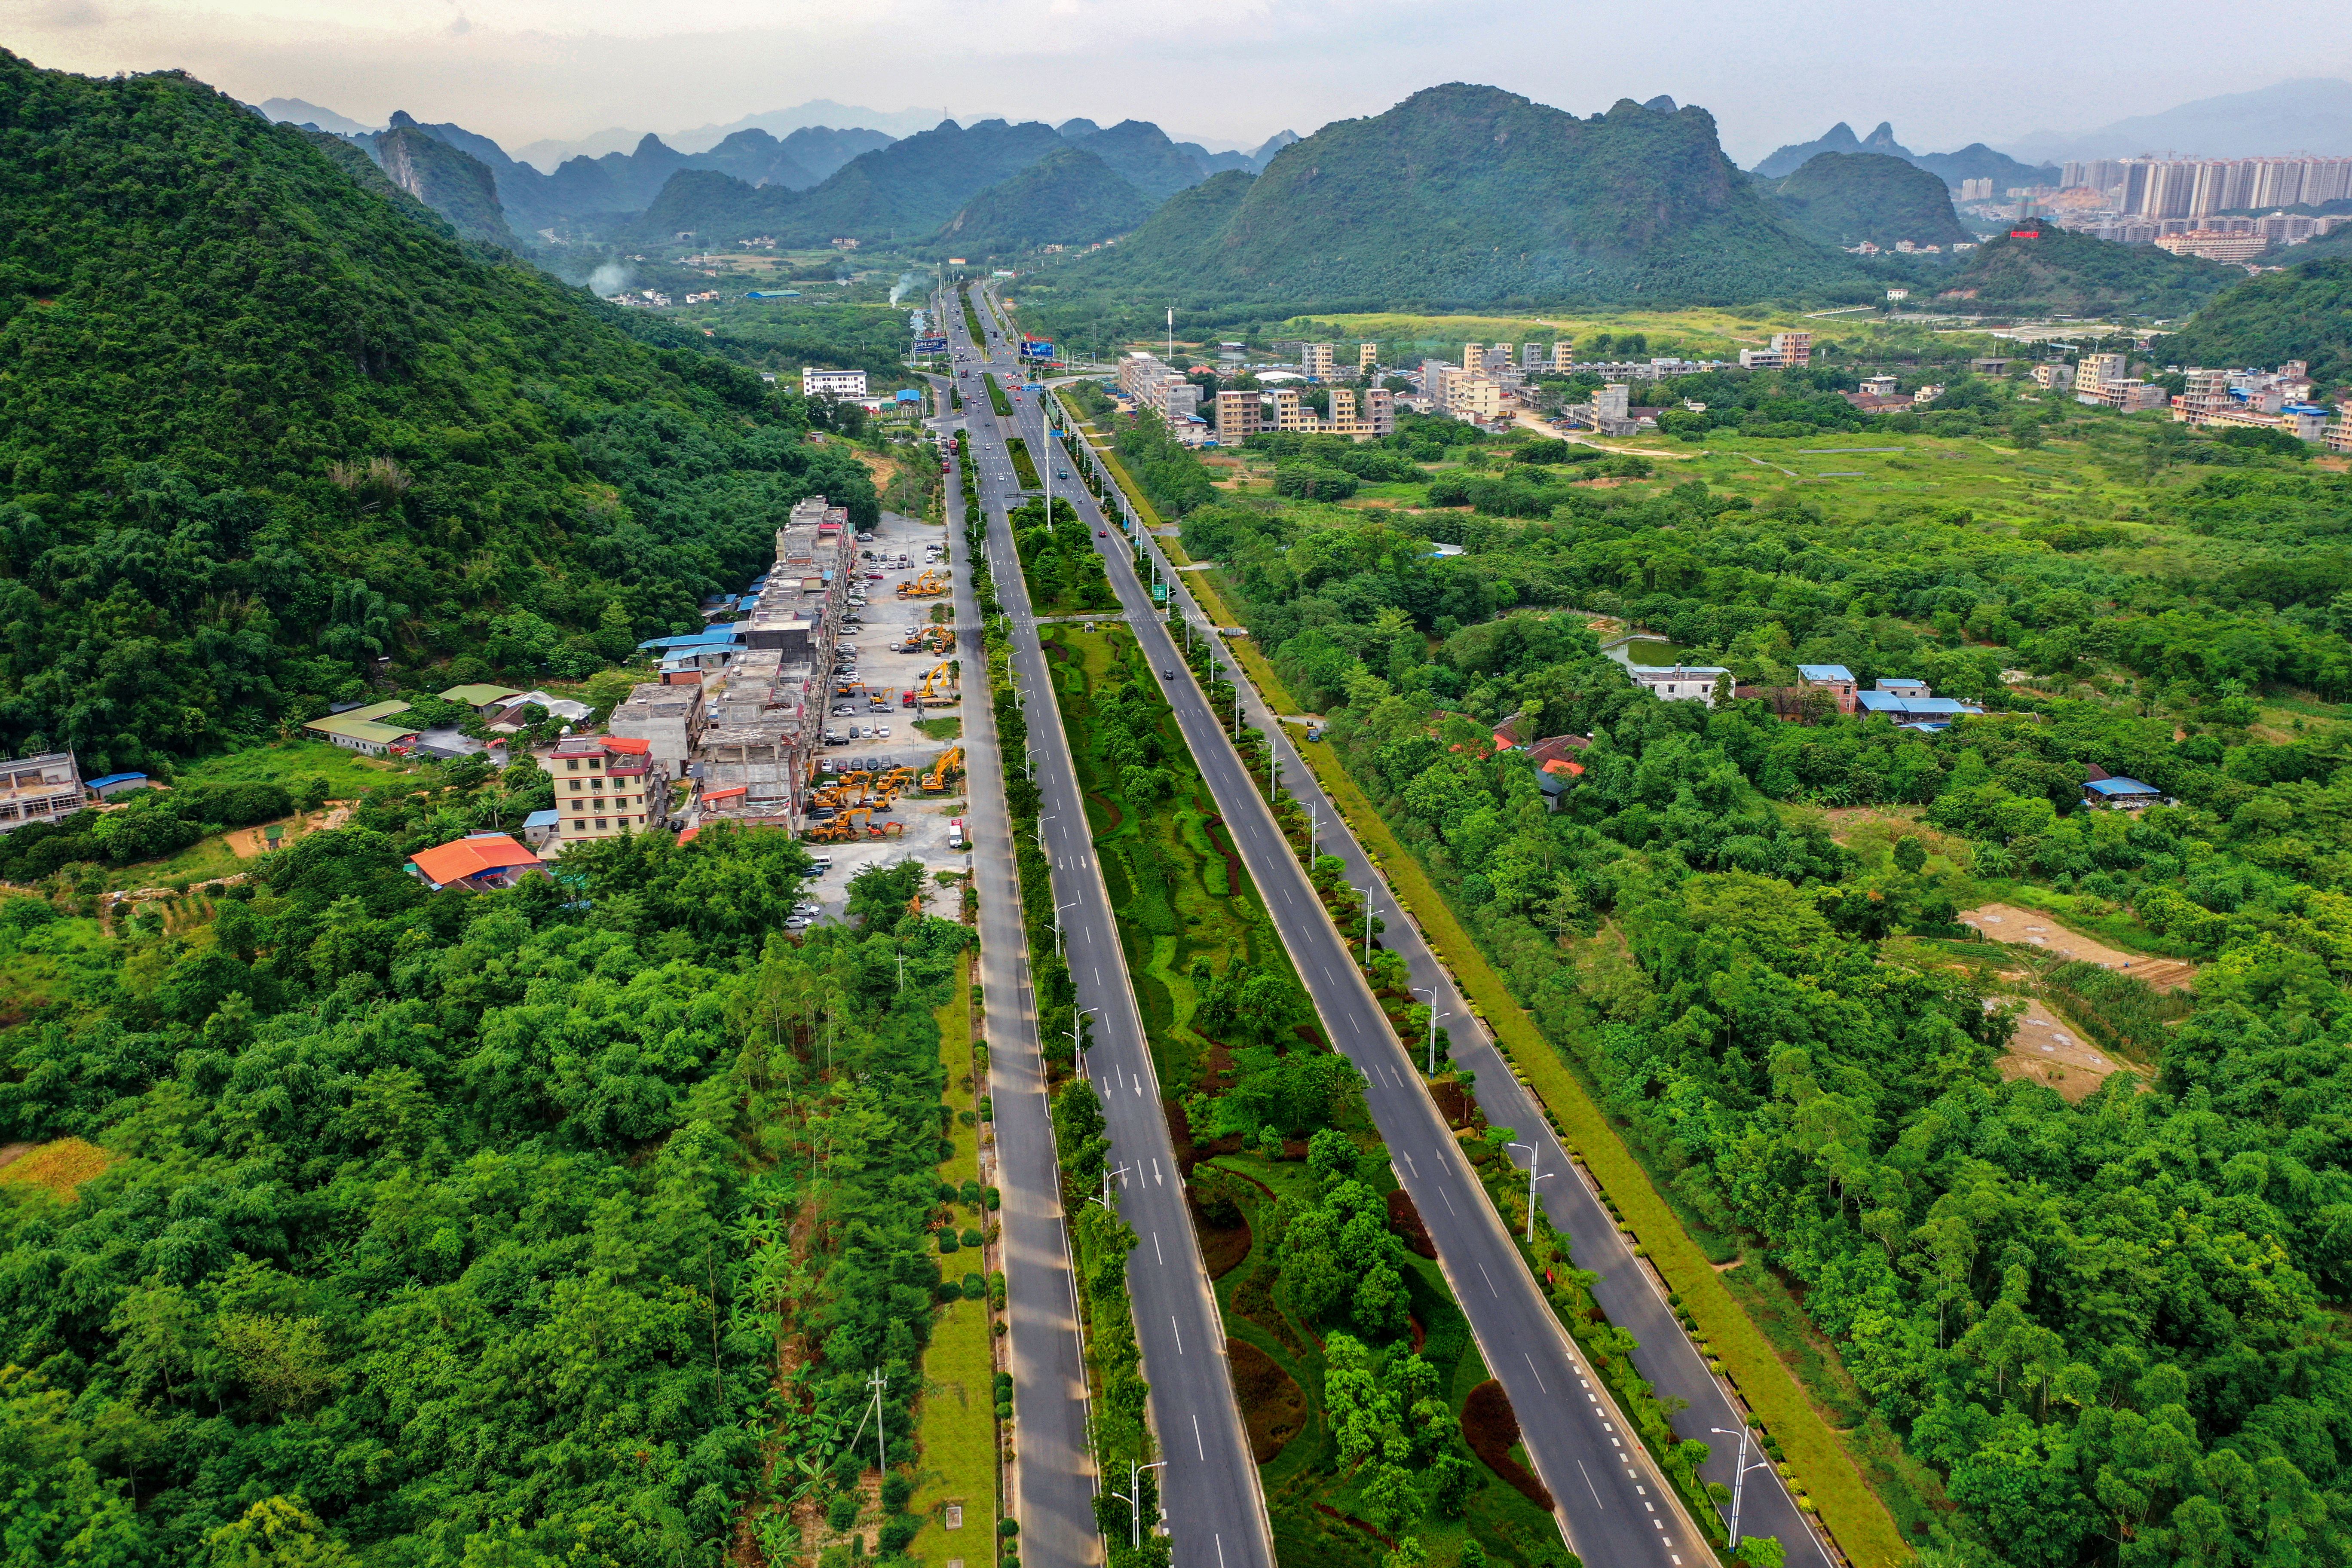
948	1239
975	1288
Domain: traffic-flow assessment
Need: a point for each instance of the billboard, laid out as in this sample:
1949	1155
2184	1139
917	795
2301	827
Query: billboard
934	343
1032	349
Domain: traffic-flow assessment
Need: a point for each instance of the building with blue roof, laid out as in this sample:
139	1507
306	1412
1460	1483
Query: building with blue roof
1906	709
1835	679
2120	793
113	784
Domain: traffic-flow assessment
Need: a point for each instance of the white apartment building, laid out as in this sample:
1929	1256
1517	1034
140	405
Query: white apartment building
815	383
1316	360
1789	350
1679	682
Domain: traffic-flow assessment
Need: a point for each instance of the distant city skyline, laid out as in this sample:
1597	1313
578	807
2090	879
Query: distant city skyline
524	71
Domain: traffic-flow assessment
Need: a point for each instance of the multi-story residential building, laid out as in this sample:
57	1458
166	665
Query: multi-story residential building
668	716
1531	356
2214	245
1474	357
1240	415
2252	399
606	785
1563	354
1362	417
1789	351
1315	361
2094	371
1976	190
1368	358
817	382
39	789
2186	187
1158	386
2054	376
1476	397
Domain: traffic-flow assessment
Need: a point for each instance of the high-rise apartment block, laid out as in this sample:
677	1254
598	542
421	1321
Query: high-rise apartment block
1531	356
1474	356
2193	187
1563	354
1156	385
1316	360
1368	358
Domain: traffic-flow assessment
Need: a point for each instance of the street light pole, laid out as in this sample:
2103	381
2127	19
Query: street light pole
1129	1497
1739	1478
1368	924
1532	1180
1058	924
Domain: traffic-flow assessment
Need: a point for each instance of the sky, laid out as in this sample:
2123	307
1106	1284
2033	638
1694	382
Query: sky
1770	70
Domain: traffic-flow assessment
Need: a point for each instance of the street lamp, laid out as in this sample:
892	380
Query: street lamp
1738	1477
1134	1509
1040	831
1532	1180
1077	1041
1366	892
1058	924
1434	1016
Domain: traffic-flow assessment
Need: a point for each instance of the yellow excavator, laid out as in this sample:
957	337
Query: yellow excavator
929	585
940	685
940	638
950	764
842	828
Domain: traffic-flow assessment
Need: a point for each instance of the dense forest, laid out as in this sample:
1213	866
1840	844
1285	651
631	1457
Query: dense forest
559	1224
266	423
2108	1322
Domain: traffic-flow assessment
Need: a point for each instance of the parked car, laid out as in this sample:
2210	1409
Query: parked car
795	922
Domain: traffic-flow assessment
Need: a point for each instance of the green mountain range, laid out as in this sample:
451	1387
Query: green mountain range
264	420
1843	199
905	190
456	184
2040	267
1068	197
1470	195
1974	162
2302	311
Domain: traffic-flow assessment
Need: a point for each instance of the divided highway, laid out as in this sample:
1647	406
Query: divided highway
1611	1504
1625	1291
1209	1490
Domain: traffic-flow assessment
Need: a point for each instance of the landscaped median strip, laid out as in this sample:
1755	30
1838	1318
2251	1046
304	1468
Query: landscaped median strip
1852	1513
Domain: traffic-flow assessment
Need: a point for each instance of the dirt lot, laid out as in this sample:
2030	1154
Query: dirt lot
2048	1050
2007	922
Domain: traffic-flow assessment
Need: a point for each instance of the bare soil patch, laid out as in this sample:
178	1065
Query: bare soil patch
2048	1050
1274	1408
2007	922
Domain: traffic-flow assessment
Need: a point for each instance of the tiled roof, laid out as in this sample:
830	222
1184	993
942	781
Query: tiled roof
471	857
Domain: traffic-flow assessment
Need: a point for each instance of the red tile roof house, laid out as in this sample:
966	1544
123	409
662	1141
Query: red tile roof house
1556	754
479	861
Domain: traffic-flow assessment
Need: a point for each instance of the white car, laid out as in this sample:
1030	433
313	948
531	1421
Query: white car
882	731
796	923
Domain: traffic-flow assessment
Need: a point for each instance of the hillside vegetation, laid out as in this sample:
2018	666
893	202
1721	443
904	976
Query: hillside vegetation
1845	198
2062	271
1068	197
1467	193
262	425
905	190
2304	311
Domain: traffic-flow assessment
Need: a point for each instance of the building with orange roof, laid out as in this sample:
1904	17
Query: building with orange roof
479	861
606	785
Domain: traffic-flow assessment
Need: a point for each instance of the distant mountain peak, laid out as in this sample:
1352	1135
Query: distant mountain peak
1071	129
1661	104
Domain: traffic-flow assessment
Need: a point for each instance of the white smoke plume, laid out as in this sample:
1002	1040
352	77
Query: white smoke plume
609	279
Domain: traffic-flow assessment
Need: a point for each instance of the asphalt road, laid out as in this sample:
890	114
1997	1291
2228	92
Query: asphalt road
1214	1510
1611	1503
1625	1291
1052	1472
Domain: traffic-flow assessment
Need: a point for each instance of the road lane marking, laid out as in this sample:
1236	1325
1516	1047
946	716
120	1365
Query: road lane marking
1449	1203
1490	1282
1539	1381
1156	1252
1180	1337
1409	1164
1155	1171
1589	1486
1202	1449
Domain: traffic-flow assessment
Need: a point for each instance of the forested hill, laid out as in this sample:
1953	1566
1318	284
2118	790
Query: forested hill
1467	195
1843	198
2304	311
2041	267
261	423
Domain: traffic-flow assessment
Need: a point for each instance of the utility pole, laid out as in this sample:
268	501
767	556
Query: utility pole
1432	1025
1108	1174
1057	925
1368	924
1532	1180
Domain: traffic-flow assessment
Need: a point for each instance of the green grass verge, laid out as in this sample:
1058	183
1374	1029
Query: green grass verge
955	1421
996	398
1024	467
1823	1466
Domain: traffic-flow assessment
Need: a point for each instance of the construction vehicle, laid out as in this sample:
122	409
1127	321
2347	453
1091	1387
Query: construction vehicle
843	829
848	687
929	585
940	639
937	688
896	782
885	830
950	763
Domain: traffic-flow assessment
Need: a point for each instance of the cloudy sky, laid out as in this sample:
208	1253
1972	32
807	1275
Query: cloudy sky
1771	71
